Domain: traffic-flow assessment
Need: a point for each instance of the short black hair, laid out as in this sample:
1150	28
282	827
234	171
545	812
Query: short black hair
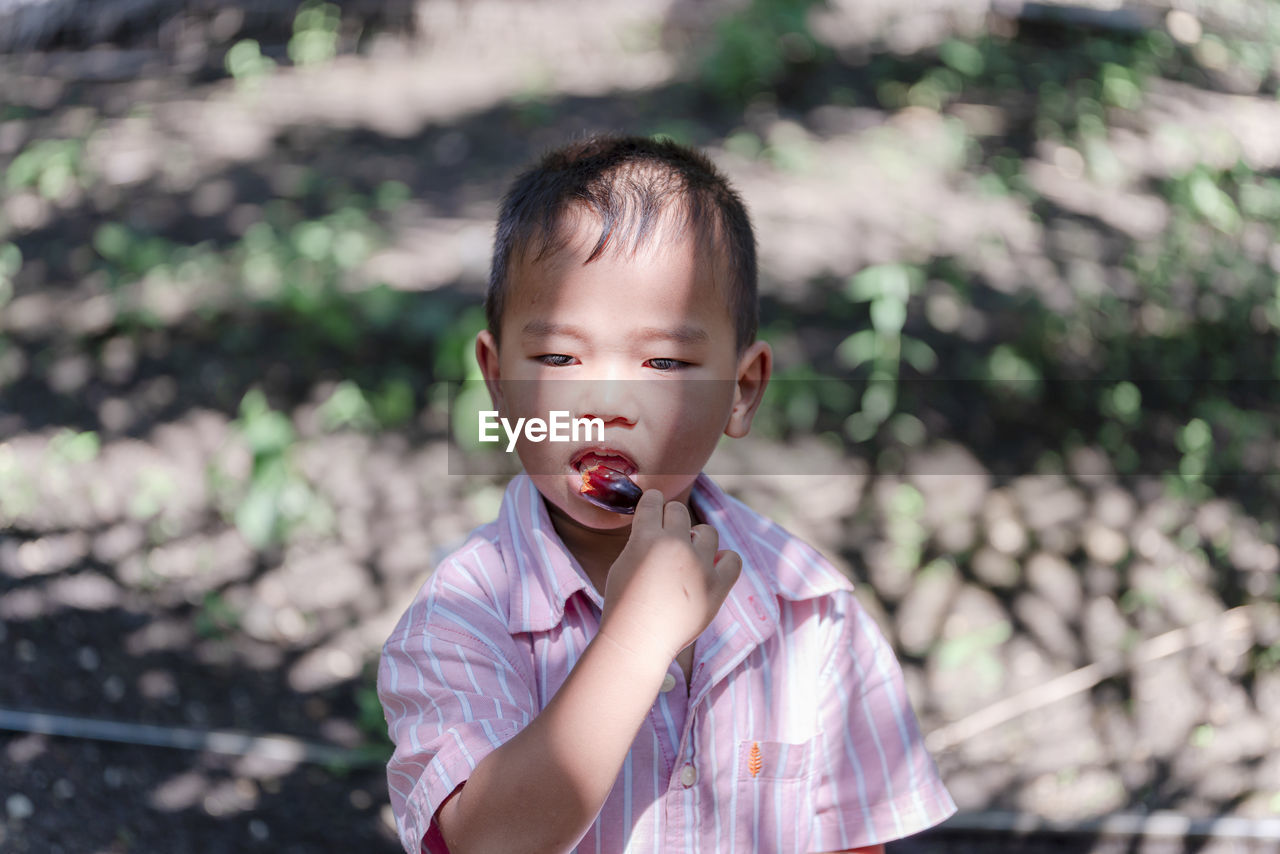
630	183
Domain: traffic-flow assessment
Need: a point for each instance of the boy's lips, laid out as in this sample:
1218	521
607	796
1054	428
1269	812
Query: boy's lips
607	457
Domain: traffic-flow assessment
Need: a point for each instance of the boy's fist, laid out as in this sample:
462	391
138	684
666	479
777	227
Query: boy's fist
668	583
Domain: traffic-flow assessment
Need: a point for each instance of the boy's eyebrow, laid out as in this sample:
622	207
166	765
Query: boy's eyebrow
545	328
683	334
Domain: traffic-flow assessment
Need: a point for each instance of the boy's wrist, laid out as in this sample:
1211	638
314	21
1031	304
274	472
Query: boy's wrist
643	654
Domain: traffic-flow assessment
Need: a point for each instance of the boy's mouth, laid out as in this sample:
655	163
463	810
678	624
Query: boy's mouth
607	457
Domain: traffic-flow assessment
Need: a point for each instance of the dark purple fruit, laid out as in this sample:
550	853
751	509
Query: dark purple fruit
610	489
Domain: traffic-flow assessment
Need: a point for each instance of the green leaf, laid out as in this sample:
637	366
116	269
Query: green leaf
72	447
1196	437
1006	367
346	407
394	404
1213	204
888	315
879	400
954	652
883	281
858	348
256	517
313	240
1125	401
919	355
10	260
390	195
112	241
963	57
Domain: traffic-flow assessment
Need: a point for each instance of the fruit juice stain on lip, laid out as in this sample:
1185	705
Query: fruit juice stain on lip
608	488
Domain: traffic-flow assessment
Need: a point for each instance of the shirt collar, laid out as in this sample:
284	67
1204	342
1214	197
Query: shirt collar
775	564
543	574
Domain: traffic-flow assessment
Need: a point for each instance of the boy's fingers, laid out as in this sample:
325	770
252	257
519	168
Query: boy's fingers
649	510
706	539
675	517
728	566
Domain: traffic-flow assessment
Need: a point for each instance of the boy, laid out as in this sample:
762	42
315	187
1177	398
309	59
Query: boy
690	678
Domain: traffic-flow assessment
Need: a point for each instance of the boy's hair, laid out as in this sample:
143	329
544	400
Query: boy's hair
632	184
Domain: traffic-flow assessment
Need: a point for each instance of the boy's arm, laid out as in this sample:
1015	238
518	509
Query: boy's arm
542	790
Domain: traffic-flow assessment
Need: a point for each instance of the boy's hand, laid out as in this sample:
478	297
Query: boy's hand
668	583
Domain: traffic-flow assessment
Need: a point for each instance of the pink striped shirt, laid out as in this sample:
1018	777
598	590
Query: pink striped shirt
796	734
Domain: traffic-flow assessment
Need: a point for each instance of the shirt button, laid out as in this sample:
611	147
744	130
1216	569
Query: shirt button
688	775
668	682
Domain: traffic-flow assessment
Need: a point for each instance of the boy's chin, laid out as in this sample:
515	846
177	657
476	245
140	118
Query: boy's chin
584	514
560	493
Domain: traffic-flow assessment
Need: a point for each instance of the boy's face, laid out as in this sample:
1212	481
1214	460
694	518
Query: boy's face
643	342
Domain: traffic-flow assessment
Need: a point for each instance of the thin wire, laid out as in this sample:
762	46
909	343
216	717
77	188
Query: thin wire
269	746
1155	824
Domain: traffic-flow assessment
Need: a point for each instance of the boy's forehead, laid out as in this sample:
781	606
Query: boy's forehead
575	238
678	272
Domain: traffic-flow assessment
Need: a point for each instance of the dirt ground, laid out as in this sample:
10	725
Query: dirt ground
131	589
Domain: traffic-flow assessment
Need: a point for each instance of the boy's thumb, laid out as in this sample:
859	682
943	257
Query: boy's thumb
728	566
648	512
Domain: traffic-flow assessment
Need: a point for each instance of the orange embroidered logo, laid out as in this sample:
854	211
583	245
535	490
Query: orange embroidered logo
754	763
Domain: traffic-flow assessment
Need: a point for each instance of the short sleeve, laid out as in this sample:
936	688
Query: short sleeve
877	782
452	692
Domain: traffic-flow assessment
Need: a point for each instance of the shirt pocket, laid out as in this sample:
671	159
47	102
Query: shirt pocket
771	808
774	760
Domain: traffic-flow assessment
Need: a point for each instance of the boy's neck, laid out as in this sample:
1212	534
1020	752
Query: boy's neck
594	550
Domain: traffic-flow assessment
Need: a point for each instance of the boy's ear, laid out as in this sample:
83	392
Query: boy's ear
487	358
755	366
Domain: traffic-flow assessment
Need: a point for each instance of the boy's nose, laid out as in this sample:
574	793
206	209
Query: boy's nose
610	400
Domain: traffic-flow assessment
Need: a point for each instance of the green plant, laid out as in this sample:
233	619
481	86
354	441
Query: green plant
247	65
69	447
349	406
50	166
216	617
1010	374
151	493
977	649
276	501
10	264
370	718
315	34
391	195
1121	405
752	50
18	488
887	290
301	266
907	534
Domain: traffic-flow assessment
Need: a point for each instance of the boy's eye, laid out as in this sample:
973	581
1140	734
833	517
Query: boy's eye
555	360
666	364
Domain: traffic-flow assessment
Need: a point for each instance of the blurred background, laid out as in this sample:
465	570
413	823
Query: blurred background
1019	267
